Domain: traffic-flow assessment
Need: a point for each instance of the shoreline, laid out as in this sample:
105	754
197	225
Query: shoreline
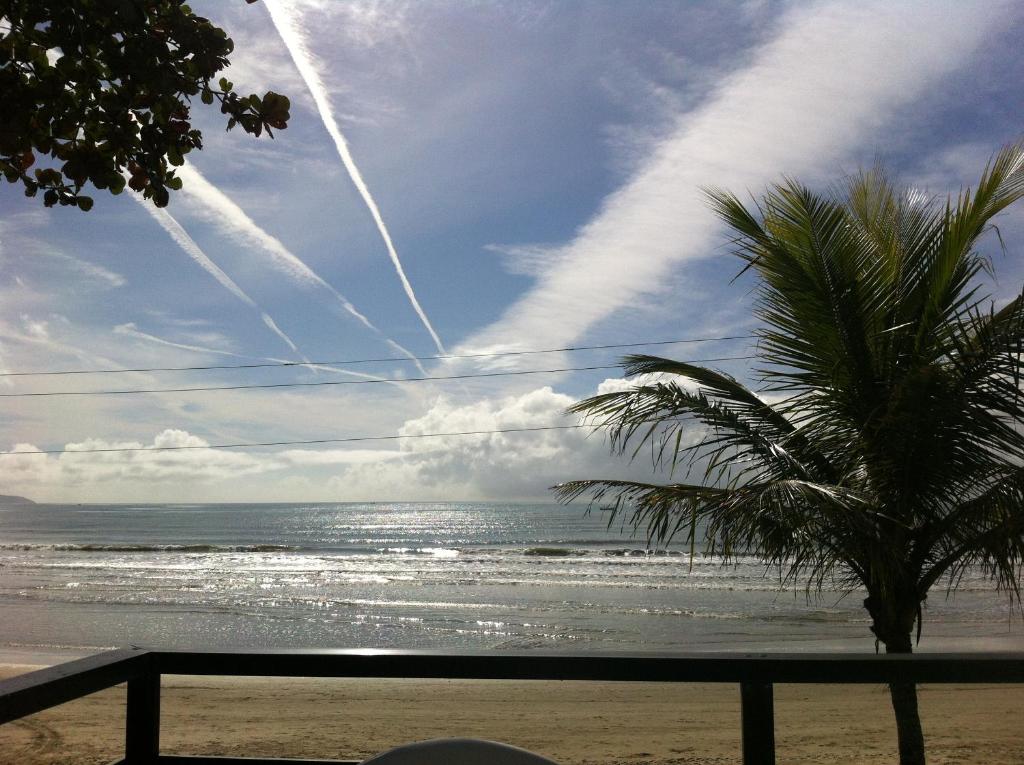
48	655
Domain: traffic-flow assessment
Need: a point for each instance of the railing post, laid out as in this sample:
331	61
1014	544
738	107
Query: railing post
758	720
142	721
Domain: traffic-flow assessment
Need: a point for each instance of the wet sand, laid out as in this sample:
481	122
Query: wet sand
572	722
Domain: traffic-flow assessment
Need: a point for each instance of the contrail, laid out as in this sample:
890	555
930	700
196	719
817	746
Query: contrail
188	244
194	251
293	39
272	325
218	209
130	330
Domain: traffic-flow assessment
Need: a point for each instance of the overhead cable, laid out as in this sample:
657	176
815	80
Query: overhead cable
323	383
440	357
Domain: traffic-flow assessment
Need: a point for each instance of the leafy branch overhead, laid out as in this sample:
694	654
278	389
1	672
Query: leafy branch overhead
101	92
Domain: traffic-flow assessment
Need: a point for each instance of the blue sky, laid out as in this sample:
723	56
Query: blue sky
538	168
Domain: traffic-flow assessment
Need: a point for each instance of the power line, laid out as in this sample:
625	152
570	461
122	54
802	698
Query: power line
132	391
439	357
300	443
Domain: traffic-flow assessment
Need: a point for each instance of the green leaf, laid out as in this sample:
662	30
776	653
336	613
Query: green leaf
84	203
160	196
80	111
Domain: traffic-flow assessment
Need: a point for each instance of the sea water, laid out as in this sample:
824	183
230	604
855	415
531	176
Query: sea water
418	575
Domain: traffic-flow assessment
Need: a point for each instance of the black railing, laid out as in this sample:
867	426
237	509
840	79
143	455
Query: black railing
754	673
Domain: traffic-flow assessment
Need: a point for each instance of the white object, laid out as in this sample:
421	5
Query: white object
457	751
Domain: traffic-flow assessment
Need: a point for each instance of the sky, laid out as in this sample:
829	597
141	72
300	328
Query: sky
462	178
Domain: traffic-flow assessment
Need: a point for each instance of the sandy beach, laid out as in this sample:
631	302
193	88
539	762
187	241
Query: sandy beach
572	722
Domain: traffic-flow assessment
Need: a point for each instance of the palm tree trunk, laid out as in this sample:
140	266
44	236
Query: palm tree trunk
904	704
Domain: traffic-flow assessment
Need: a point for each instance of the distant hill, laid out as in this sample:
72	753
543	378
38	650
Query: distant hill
11	499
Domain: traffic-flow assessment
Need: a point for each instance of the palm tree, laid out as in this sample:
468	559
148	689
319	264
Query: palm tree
886	451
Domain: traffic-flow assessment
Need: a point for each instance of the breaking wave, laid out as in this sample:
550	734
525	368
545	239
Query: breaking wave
143	548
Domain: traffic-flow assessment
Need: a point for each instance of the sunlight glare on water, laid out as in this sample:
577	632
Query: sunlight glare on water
414	575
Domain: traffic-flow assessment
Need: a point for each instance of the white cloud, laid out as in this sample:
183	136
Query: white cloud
524	259
361	25
47	473
484	466
492	465
91	272
36	335
136	468
815	93
23	246
337	456
620	384
4	369
35	328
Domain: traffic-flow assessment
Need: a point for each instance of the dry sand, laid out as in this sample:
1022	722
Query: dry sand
572	722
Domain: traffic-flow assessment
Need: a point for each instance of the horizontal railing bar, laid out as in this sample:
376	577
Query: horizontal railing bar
35	691
192	759
649	667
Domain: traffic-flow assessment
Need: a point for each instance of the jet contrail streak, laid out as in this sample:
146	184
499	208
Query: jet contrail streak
277	330
218	209
293	39
194	251
406	352
188	244
130	330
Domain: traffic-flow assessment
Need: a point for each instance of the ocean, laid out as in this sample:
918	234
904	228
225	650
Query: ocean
81	578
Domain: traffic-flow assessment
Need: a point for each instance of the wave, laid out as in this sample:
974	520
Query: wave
142	548
553	552
437	552
618	552
642	552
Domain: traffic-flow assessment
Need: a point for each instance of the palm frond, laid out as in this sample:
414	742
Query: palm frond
819	297
986	530
799	527
745	435
894	455
663	510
